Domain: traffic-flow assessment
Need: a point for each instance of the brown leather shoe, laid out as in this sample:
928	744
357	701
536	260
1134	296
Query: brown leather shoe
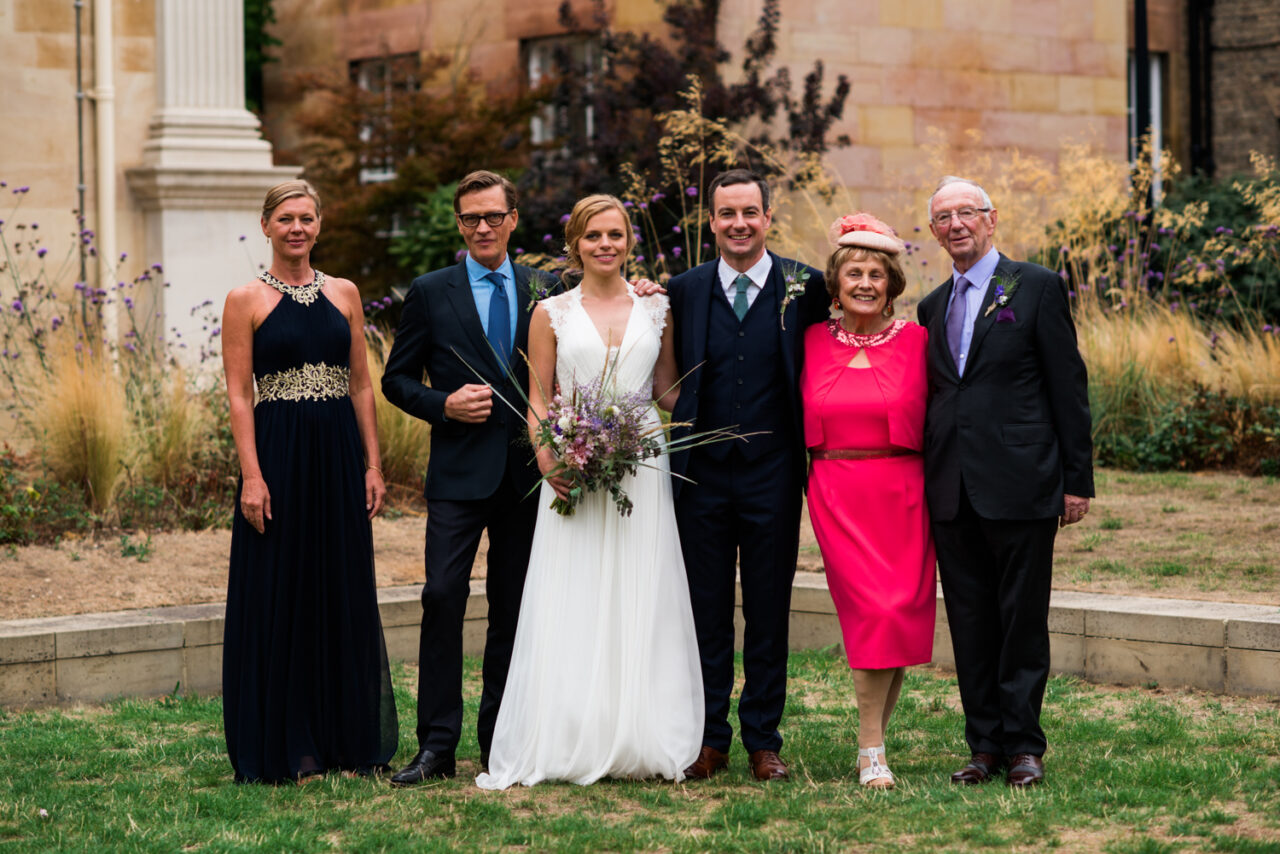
982	768
1025	770
709	761
768	765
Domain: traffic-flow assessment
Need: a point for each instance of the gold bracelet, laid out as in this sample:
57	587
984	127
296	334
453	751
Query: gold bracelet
375	468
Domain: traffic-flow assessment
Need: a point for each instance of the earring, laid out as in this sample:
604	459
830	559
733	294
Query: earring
835	302
888	309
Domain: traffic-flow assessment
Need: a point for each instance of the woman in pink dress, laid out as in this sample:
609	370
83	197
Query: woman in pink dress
864	393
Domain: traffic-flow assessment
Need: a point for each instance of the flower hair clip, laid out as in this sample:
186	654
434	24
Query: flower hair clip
862	229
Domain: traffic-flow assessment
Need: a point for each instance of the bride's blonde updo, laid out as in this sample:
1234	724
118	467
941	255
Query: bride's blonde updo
583	211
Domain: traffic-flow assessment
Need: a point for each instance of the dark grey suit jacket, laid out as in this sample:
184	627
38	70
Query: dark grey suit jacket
1015	429
439	335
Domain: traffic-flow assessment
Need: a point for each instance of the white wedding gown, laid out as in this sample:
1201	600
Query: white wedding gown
604	679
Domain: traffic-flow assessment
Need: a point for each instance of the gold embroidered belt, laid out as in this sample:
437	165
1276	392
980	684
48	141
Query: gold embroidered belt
858	453
309	382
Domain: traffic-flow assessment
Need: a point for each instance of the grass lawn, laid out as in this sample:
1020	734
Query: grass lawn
1130	770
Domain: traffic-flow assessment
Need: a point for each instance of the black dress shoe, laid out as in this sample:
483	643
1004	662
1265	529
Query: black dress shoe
425	766
981	768
1025	770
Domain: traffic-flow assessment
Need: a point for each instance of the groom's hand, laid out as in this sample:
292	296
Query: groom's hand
470	404
647	287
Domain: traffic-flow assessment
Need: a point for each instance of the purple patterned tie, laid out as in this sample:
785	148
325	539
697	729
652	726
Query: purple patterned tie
955	319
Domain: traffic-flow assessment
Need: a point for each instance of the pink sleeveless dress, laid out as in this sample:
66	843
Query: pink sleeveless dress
869	515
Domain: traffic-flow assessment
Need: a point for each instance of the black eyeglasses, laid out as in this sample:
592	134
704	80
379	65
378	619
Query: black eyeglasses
494	219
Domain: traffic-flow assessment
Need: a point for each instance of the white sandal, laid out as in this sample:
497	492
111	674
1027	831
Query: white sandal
877	770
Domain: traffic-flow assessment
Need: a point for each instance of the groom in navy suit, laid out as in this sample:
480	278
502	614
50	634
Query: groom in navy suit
481	467
739	323
1008	459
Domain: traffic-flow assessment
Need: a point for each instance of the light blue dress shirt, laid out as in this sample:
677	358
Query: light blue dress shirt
979	277
482	291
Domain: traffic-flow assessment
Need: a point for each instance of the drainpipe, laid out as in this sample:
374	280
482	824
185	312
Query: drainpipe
104	97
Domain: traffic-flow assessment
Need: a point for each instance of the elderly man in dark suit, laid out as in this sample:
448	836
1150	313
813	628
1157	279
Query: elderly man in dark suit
740	322
1008	459
481	467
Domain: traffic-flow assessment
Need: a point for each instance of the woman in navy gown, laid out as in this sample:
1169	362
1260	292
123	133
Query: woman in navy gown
305	684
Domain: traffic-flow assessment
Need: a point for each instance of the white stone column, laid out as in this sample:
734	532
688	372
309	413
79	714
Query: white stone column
205	168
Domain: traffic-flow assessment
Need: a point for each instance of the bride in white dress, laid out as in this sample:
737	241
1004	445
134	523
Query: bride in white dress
604	678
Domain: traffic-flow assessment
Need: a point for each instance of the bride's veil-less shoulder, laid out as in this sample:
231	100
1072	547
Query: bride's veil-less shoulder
605	679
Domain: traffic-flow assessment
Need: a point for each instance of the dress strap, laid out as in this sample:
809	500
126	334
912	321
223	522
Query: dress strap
301	294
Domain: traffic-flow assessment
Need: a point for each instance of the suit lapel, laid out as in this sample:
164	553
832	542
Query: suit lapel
786	338
986	319
464	306
699	303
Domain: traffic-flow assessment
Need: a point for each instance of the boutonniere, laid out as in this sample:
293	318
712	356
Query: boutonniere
1005	289
538	290
794	280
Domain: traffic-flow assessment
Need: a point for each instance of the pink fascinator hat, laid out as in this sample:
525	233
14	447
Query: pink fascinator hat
862	229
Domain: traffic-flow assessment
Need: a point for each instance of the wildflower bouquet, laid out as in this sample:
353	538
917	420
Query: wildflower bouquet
599	438
600	435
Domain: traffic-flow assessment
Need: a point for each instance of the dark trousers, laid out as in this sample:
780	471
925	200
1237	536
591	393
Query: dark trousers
996	576
453	535
745	513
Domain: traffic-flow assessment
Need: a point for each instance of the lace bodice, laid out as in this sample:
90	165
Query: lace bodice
581	355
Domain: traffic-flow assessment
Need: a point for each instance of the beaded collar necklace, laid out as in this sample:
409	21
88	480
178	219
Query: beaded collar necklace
852	339
301	294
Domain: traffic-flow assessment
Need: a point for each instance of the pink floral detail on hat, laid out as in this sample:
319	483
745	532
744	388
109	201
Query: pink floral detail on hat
863	229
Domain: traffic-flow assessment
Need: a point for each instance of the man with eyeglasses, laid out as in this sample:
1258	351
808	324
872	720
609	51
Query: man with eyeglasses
466	319
1008	460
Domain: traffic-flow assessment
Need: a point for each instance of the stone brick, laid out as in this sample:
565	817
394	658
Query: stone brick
1067	653
1036	93
110	634
27	684
942	49
890	46
918	14
1169	621
1110	96
135	18
383	32
1109	21
55	51
400	609
202	670
986	15
477	603
205	631
132	674
1039	18
137	55
809	630
1075	94
1134	662
42	16
857	165
402	642
887	125
473	636
1260	631
1066	619
809	594
1252	671
22	644
1008	51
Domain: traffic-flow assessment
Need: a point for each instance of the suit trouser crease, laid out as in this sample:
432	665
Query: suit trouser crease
744	515
452	539
996	579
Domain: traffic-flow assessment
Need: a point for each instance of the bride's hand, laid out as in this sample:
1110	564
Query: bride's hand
548	463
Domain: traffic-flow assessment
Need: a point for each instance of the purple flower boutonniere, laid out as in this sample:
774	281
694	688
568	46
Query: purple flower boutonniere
1005	289
538	290
793	281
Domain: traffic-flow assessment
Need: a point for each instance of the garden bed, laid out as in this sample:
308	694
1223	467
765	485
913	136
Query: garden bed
1212	536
